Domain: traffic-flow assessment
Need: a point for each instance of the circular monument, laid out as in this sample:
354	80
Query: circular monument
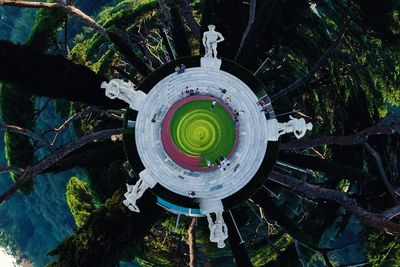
204	137
187	130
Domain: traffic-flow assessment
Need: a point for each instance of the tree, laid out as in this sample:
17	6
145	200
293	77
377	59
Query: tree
111	233
344	75
383	250
67	77
79	201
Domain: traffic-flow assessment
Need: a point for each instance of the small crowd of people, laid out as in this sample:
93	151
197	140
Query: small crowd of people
264	105
190	92
222	163
180	69
236	117
225	98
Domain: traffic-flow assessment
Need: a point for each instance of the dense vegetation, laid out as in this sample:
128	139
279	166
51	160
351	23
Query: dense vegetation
63	62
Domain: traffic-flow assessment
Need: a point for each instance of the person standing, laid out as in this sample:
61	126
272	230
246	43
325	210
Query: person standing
213	103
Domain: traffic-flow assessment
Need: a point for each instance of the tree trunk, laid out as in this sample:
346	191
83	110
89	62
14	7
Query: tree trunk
110	230
91	155
128	54
192	242
247	51
178	33
167	42
369	219
54	158
87	20
392	212
238	248
34	136
165	10
276	213
389	125
306	77
250	22
51	76
382	171
331	168
91	23
186	12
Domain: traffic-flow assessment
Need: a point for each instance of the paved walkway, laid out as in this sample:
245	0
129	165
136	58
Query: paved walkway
251	146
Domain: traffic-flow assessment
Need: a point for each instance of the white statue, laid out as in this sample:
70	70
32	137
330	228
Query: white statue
298	126
125	91
218	229
210	40
134	192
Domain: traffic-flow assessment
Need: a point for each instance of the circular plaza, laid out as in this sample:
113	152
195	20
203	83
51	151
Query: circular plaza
202	134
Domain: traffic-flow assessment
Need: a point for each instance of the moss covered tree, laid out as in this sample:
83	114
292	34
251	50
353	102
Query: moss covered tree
79	200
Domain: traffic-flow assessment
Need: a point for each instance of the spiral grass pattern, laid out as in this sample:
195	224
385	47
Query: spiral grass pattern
198	130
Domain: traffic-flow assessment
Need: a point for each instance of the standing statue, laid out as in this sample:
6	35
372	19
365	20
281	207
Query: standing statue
218	229
210	40
134	192
125	91
299	127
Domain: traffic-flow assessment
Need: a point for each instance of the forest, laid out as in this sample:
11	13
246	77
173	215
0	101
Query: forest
333	198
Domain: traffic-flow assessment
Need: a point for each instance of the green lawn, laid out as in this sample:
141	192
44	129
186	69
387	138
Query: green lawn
199	131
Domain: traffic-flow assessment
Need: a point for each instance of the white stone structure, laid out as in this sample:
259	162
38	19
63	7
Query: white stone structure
218	229
134	192
209	187
298	127
125	91
252	141
210	40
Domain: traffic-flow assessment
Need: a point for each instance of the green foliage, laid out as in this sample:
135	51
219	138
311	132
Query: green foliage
106	179
270	253
165	245
122	22
383	250
18	148
47	24
347	94
178	32
79	200
112	232
64	79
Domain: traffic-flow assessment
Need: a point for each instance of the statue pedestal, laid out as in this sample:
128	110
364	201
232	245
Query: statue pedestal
147	178
206	207
210	63
272	130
